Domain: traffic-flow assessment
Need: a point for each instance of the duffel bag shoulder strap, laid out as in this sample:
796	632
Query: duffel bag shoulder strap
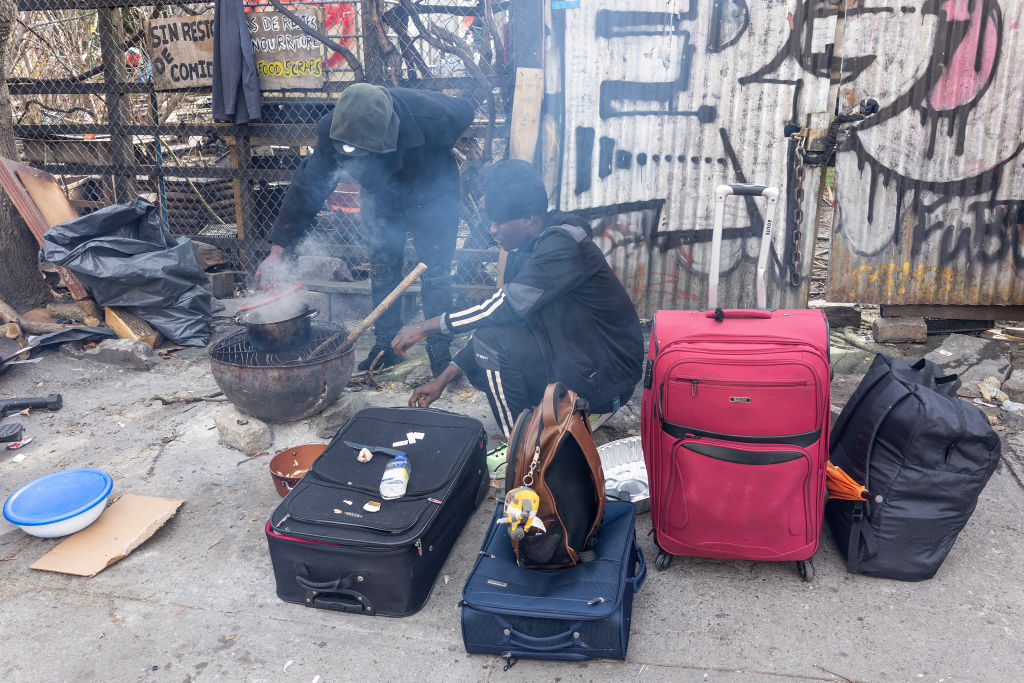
871	415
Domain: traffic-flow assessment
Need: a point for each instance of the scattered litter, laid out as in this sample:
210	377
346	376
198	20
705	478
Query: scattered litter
229	637
1012	406
121	528
413	437
24	412
18	444
447	579
287	664
19	457
399	443
944	352
982	402
372	506
992	420
365	455
347	502
992	391
316	679
337	511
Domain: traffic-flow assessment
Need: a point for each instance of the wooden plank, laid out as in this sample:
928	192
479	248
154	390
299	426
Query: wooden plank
526	103
129	326
33	217
529	94
49	197
953	312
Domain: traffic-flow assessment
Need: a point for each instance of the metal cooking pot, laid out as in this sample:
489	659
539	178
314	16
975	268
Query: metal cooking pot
277	329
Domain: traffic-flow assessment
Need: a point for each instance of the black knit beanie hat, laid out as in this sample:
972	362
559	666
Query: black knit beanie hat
514	190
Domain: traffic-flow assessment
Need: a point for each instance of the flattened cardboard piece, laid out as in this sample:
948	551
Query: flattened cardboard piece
122	528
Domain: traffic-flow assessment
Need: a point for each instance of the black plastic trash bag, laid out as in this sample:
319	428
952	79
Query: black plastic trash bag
125	256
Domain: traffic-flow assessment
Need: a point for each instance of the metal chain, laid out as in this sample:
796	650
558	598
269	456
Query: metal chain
798	212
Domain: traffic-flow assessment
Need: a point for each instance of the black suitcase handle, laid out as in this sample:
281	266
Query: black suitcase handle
340	601
335	594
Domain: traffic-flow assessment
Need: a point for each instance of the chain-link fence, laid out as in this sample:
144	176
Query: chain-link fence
93	105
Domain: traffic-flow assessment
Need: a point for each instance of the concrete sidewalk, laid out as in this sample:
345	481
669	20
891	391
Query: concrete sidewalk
197	601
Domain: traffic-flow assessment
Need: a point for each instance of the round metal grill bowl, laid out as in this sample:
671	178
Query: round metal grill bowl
287	386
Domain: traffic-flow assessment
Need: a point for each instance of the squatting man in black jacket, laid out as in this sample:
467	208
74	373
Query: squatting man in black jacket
562	315
397	144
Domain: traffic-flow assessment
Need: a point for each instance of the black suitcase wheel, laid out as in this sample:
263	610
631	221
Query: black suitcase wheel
662	561
806	569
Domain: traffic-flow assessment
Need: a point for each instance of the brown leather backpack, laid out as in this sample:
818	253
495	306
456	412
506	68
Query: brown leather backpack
552	451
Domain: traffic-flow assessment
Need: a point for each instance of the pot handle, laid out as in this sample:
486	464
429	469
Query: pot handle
311	313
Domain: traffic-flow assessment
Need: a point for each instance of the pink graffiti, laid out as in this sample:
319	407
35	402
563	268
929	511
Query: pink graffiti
962	83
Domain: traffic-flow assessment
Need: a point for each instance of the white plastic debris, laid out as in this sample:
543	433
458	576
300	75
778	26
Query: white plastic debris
1012	406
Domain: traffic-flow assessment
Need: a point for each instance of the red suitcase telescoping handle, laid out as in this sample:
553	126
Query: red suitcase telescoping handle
721	192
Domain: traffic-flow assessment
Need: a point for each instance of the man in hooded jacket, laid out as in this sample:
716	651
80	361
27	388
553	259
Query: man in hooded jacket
397	144
562	314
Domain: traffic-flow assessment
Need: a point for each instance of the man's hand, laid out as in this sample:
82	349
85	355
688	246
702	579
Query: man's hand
423	396
413	334
270	268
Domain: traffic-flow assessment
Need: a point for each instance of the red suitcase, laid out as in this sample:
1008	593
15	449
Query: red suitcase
734	423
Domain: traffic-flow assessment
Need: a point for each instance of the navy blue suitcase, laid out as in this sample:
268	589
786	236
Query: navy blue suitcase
580	612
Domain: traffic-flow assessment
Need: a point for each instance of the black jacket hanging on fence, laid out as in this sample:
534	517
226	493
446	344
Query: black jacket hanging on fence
236	87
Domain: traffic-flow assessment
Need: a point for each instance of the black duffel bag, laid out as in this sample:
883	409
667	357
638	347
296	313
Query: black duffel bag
924	456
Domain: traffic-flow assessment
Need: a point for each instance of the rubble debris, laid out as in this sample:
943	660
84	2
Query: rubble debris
242	432
972	358
838	315
1015	382
331	419
128	353
222	284
1012	406
208	256
897	330
990	390
215	397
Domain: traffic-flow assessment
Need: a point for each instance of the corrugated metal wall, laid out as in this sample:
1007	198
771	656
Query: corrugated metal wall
930	192
652	103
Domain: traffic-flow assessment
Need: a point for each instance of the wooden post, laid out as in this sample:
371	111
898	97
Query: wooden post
122	151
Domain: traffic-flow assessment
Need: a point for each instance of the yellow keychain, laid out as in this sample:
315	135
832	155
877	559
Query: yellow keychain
521	507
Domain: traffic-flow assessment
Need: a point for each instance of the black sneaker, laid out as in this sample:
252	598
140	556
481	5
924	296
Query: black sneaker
388	359
440	357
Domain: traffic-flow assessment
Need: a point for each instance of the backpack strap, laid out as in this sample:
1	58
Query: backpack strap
550	404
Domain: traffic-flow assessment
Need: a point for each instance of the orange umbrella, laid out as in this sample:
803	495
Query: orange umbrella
842	486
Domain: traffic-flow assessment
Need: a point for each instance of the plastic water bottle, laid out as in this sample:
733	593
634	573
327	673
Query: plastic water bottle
396	478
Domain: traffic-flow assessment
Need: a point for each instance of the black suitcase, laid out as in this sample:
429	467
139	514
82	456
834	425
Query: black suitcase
329	552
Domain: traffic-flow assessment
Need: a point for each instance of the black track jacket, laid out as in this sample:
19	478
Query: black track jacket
563	289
